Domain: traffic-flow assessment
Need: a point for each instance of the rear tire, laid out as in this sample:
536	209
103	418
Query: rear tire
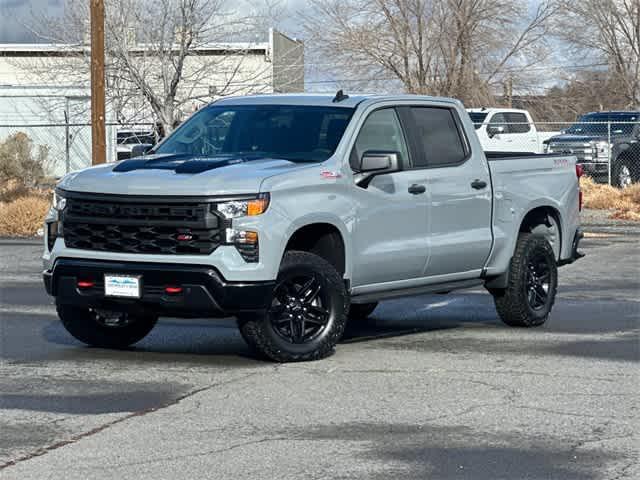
105	330
308	313
360	311
533	282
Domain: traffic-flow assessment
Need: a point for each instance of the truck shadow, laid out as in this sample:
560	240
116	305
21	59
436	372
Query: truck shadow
396	324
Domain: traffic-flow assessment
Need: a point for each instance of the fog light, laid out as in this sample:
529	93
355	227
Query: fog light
241	236
171	290
84	284
246	242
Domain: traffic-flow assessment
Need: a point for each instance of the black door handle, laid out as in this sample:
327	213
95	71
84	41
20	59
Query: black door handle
416	189
478	184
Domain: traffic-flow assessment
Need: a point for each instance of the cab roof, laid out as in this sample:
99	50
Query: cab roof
315	99
496	109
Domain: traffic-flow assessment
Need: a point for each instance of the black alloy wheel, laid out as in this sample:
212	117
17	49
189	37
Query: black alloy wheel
538	280
307	315
298	313
532	285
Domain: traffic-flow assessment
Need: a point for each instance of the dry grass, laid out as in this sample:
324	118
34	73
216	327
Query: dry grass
22	210
625	204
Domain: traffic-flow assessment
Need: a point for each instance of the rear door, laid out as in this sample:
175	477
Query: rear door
459	189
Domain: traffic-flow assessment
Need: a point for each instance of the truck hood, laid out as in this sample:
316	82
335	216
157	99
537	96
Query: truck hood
169	174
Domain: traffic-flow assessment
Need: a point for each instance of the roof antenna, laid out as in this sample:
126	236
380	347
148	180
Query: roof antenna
340	96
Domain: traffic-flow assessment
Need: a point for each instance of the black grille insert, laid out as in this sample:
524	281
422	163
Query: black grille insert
142	227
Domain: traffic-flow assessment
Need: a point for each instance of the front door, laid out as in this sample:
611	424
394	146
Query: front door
390	234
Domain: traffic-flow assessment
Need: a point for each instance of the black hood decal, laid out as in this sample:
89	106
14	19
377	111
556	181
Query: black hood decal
179	163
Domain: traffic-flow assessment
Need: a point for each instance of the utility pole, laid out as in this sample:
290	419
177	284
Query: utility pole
510	91
98	134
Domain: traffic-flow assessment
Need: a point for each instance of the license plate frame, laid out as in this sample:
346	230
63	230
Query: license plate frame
121	285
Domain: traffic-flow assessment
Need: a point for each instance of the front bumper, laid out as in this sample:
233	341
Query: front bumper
597	170
205	293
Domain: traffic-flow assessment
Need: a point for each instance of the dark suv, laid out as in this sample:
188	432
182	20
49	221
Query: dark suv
599	137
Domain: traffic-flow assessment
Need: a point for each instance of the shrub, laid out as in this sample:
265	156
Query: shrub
19	161
23	216
625	203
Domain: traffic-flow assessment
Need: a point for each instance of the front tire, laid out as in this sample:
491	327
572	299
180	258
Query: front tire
533	282
307	315
105	329
625	172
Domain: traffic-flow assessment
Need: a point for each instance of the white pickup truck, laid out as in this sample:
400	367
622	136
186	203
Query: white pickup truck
508	130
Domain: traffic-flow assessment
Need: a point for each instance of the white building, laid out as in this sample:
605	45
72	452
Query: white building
44	90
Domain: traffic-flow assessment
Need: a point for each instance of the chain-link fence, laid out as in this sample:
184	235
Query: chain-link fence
609	151
64	148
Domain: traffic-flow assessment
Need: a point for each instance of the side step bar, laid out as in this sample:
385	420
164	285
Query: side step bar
412	291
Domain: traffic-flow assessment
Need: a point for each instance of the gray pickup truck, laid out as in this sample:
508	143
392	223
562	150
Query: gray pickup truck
295	213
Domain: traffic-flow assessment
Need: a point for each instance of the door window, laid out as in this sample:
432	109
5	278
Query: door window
512	122
380	131
517	122
439	138
499	120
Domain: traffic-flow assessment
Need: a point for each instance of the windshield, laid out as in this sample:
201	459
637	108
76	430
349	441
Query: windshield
477	118
131	138
292	132
601	124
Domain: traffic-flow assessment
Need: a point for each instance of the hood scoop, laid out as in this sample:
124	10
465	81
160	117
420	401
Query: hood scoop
179	163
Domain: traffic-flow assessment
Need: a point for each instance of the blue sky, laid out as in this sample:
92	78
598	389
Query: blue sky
15	15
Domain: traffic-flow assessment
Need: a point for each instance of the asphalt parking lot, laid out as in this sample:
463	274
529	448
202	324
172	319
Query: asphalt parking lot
431	387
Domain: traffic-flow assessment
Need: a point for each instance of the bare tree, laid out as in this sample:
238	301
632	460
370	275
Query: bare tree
608	30
461	48
153	50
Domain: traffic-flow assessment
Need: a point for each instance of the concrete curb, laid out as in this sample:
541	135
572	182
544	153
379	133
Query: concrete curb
21	241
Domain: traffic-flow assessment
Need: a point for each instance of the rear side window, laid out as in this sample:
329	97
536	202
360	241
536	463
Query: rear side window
438	136
518	122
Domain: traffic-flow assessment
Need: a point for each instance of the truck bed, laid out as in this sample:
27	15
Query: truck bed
524	182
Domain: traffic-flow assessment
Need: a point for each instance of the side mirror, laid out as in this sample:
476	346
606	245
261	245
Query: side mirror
493	130
375	163
140	149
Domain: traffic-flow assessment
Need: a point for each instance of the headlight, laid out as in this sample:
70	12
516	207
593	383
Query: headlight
59	202
245	208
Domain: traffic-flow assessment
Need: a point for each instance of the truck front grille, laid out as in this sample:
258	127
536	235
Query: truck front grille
150	227
582	151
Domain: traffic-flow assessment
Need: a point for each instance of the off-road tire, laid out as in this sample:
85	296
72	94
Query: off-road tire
260	334
633	169
512	303
360	311
83	325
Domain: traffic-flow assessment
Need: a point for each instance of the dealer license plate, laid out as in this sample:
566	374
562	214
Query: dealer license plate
122	286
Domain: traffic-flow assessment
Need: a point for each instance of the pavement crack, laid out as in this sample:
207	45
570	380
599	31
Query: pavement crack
206	453
76	438
569	414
